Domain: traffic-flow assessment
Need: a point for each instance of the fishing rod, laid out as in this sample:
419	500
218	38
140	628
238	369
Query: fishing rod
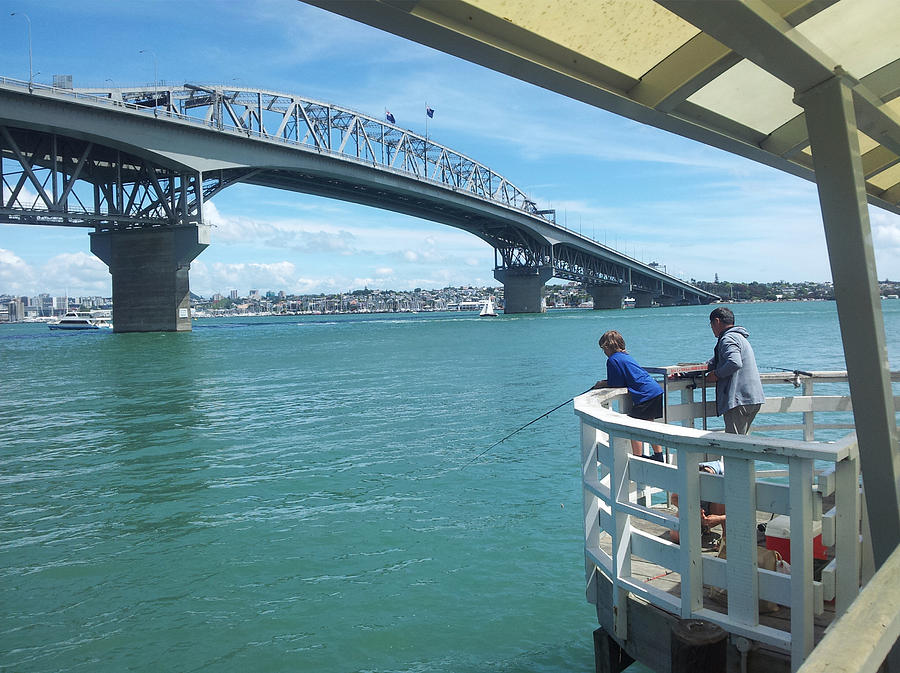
796	372
500	441
792	371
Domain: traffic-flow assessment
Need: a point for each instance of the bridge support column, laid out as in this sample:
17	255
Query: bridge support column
149	267
642	299
665	300
606	296
523	289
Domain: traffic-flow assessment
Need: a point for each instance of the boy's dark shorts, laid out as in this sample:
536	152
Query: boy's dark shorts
648	410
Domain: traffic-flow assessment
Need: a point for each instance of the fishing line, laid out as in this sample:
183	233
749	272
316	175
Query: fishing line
439	469
500	441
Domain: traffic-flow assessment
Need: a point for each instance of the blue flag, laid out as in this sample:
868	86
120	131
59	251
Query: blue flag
389	117
430	112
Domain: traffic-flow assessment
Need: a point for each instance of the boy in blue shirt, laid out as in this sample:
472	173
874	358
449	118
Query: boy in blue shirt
623	372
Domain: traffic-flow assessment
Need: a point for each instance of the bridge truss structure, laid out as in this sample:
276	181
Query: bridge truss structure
62	178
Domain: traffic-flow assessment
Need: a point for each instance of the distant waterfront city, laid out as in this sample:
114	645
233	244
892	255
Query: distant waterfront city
45	306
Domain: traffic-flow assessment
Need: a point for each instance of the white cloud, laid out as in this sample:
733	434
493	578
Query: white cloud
886	239
886	231
16	277
243	276
295	234
76	273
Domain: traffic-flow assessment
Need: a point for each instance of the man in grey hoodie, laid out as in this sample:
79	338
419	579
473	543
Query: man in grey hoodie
739	392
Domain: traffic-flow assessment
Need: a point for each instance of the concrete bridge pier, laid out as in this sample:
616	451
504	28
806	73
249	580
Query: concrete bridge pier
665	300
642	298
149	267
607	296
523	289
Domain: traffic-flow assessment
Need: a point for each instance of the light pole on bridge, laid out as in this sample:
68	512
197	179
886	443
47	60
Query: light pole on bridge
30	66
155	77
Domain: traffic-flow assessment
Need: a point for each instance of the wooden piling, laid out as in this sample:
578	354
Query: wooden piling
609	657
698	646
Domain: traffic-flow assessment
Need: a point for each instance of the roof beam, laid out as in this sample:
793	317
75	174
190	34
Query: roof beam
692	66
703	58
755	31
759	34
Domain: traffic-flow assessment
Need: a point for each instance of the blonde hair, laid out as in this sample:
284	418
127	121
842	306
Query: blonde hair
613	341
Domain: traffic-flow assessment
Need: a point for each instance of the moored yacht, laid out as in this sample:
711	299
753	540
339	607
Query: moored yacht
76	320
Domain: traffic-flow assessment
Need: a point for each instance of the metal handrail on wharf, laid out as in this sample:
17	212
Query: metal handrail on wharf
611	475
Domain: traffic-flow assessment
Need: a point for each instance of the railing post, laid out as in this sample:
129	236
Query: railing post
809	425
591	506
687	398
801	503
620	487
846	533
689	532
741	568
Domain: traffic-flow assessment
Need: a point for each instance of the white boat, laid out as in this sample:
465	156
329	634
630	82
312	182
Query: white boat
629	302
75	320
487	311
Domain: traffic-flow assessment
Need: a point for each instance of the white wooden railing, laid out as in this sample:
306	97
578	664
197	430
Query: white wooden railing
814	470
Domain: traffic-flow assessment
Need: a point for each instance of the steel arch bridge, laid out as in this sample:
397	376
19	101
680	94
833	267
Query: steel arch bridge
149	157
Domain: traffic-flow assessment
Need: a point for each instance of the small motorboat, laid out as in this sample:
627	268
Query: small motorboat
78	320
487	311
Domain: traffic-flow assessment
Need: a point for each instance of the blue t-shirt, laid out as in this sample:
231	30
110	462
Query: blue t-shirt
623	372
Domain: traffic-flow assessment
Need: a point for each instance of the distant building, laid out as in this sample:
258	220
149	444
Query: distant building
16	311
234	294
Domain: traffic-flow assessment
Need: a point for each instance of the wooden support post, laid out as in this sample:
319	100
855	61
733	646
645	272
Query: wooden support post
740	506
591	504
690	565
809	422
698	646
847	547
609	657
801	498
621	533
840	179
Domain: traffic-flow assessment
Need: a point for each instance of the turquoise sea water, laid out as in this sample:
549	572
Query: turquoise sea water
285	494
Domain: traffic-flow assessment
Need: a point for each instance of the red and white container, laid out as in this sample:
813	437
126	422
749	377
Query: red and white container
778	537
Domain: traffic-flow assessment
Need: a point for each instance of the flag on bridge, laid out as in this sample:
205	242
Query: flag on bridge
389	117
429	111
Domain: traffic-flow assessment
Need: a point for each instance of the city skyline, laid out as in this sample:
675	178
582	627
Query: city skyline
650	194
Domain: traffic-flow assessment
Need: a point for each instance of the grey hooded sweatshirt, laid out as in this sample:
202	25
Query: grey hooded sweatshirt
735	367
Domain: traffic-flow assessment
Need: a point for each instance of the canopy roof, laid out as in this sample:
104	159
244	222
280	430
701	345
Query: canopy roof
724	72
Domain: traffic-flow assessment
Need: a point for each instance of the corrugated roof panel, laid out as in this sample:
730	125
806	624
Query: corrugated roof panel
862	35
887	178
748	94
630	37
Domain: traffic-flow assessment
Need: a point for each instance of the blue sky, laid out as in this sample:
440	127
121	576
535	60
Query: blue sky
656	196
